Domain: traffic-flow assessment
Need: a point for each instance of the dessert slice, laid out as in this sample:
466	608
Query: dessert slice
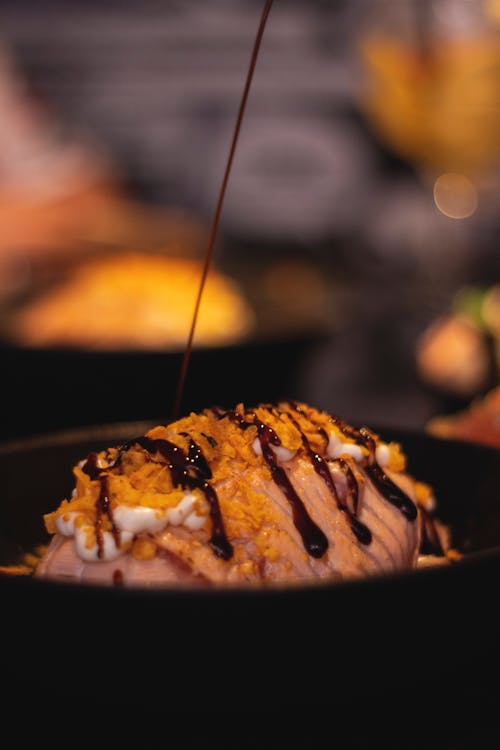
277	493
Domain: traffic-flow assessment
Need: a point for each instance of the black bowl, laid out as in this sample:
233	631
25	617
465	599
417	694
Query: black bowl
54	389
323	643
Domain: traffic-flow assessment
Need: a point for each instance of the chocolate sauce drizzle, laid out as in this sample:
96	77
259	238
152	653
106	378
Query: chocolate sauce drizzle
189	471
392	493
362	532
220	201
118	577
102	506
315	541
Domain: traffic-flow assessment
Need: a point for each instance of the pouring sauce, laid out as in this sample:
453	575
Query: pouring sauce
218	210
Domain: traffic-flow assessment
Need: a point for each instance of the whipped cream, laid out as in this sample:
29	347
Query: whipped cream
130	520
338	447
335	449
281	453
110	550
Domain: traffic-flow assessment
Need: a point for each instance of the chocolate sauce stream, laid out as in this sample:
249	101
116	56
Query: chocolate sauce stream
218	211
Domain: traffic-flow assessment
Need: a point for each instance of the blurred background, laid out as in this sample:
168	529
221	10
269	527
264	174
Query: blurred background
357	261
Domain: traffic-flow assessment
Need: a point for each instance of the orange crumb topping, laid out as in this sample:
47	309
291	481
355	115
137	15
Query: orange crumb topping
27	565
144	549
423	494
397	459
16	570
239	475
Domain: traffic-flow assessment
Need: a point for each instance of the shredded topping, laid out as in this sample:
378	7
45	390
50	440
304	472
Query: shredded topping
169	478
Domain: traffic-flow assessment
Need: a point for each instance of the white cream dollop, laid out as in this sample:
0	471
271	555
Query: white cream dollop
382	454
337	447
110	550
179	514
138	518
282	454
129	520
65	524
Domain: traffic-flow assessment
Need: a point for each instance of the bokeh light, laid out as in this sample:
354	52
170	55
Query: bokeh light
455	195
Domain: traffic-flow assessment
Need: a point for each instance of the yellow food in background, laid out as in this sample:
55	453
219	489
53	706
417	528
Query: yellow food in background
134	301
441	110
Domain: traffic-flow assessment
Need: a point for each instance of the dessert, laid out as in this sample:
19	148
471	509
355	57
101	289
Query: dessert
271	494
132	300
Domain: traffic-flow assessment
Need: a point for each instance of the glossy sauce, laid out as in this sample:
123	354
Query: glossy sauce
192	471
102	506
315	541
189	471
118	578
362	532
218	210
387	488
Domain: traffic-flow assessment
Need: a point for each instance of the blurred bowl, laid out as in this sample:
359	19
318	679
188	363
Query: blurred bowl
56	388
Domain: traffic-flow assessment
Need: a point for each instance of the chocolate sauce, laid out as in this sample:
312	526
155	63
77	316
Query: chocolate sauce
392	492
219	541
362	532
102	506
118	577
212	441
197	459
91	467
387	488
237	418
218	210
106	510
191	471
313	538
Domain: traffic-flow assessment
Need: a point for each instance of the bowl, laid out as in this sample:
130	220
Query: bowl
53	389
56	387
324	644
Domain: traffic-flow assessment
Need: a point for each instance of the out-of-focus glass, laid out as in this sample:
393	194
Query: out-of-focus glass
432	84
